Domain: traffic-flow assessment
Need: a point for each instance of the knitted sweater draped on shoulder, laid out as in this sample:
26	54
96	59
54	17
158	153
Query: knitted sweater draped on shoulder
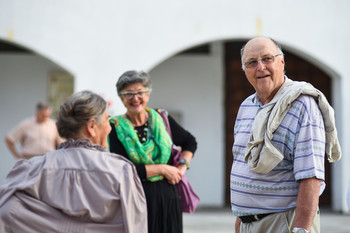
261	155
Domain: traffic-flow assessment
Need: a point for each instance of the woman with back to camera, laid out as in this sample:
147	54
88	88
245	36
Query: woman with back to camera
80	187
141	136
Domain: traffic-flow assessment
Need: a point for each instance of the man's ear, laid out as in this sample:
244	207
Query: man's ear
90	127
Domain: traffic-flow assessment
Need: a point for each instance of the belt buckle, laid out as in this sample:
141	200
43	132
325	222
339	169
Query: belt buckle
256	217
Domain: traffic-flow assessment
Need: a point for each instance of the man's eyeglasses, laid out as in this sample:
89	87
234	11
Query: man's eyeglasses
140	94
266	60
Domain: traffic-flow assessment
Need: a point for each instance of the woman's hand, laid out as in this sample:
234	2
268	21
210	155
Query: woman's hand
172	174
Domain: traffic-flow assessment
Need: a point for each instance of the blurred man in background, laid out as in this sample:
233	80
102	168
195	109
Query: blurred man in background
37	135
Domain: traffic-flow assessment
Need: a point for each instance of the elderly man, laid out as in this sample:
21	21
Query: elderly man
37	135
282	133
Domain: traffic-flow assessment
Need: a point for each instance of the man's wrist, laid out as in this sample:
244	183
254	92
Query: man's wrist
299	230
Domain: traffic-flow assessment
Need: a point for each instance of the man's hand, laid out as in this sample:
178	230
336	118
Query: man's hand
237	224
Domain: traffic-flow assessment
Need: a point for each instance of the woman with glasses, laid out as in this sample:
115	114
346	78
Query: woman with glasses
141	136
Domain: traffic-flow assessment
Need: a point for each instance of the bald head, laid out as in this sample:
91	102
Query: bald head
263	65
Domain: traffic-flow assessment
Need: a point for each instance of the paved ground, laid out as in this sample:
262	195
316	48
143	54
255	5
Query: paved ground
222	221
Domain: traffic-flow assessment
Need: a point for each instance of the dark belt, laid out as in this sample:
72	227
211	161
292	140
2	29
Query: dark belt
253	218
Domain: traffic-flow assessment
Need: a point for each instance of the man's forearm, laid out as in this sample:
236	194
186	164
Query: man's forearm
307	203
12	148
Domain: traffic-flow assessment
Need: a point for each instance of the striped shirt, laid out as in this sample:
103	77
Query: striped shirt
300	138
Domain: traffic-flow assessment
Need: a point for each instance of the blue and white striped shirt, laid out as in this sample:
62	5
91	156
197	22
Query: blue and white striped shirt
300	138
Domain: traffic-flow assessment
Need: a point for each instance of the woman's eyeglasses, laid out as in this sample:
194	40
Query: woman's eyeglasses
129	95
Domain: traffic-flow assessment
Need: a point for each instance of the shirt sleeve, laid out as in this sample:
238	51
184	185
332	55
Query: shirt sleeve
17	179
182	137
310	141
16	134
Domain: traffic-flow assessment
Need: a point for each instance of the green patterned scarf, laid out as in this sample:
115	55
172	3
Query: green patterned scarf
157	148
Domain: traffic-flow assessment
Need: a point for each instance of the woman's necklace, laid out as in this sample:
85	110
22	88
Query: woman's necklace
141	130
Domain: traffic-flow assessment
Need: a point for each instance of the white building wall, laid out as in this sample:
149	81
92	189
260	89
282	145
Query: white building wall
23	83
98	40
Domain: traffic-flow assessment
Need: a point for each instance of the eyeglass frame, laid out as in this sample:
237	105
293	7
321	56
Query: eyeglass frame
140	94
262	61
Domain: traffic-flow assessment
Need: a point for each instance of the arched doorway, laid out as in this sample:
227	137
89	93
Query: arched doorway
26	78
237	88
